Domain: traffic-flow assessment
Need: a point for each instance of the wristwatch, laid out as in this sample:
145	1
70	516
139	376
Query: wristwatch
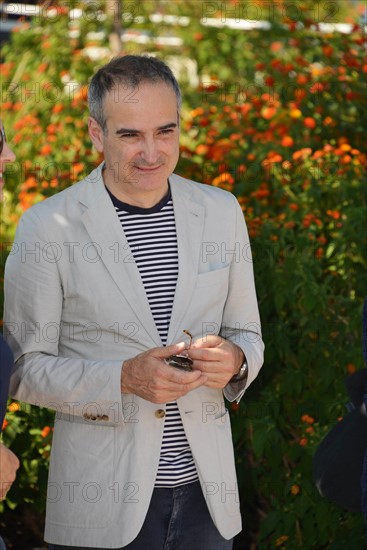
242	373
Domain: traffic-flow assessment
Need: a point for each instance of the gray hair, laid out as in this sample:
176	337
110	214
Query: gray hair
129	71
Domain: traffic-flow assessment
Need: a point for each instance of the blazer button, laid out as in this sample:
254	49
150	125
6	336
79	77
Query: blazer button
160	413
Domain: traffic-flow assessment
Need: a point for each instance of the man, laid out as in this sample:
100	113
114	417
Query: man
8	461
103	280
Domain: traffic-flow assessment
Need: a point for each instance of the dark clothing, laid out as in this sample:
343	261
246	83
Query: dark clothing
6	362
364	471
178	519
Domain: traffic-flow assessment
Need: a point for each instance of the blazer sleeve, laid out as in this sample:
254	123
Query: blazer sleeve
33	305
241	319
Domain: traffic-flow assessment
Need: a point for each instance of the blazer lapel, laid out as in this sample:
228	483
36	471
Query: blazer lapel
104	228
189	217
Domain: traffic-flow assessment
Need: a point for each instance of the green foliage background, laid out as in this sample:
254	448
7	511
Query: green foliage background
278	117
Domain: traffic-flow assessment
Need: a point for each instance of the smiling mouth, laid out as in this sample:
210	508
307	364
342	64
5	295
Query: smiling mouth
148	168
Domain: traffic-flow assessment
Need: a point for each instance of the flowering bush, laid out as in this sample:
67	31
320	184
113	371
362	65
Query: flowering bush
279	119
286	136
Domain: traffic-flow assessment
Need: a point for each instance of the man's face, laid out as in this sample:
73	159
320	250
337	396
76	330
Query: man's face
141	146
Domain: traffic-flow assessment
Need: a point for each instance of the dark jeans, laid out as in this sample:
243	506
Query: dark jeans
177	519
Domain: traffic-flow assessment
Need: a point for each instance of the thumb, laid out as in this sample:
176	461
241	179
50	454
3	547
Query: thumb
173	349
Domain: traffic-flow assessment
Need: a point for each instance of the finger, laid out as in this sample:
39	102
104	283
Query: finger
210	341
209	368
202	379
207	354
181	377
166	351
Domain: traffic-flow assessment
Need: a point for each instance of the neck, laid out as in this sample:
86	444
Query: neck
142	199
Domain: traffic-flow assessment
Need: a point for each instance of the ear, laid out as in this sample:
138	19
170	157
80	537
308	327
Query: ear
96	134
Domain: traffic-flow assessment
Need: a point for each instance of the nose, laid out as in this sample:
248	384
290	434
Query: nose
7	154
150	151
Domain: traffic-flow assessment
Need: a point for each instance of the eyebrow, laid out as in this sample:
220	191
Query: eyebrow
134	131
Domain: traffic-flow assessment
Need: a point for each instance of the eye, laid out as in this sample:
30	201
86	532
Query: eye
166	131
128	135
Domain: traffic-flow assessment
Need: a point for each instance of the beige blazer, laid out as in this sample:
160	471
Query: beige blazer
76	308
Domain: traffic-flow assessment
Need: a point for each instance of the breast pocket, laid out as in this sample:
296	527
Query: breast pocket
208	300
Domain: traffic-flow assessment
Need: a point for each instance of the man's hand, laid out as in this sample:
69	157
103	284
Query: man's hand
217	358
147	376
8	467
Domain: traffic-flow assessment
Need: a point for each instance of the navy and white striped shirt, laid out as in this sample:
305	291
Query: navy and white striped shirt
151	234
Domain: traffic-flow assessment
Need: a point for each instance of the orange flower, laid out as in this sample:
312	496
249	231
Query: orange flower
309	122
302	153
268	112
345	147
287	141
346	159
272	157
225	177
319	253
307	418
335	214
351	368
276	46
197	112
42	67
295	489
7	105
201	149
78	167
295	113
290	225
245	108
14	407
302	79
327	50
5	423
57	108
51	129
317	87
309	430
303	441
262	192
46	430
46	149
5	68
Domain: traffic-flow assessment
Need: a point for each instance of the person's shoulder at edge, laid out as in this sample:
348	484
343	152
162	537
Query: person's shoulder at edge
6	356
